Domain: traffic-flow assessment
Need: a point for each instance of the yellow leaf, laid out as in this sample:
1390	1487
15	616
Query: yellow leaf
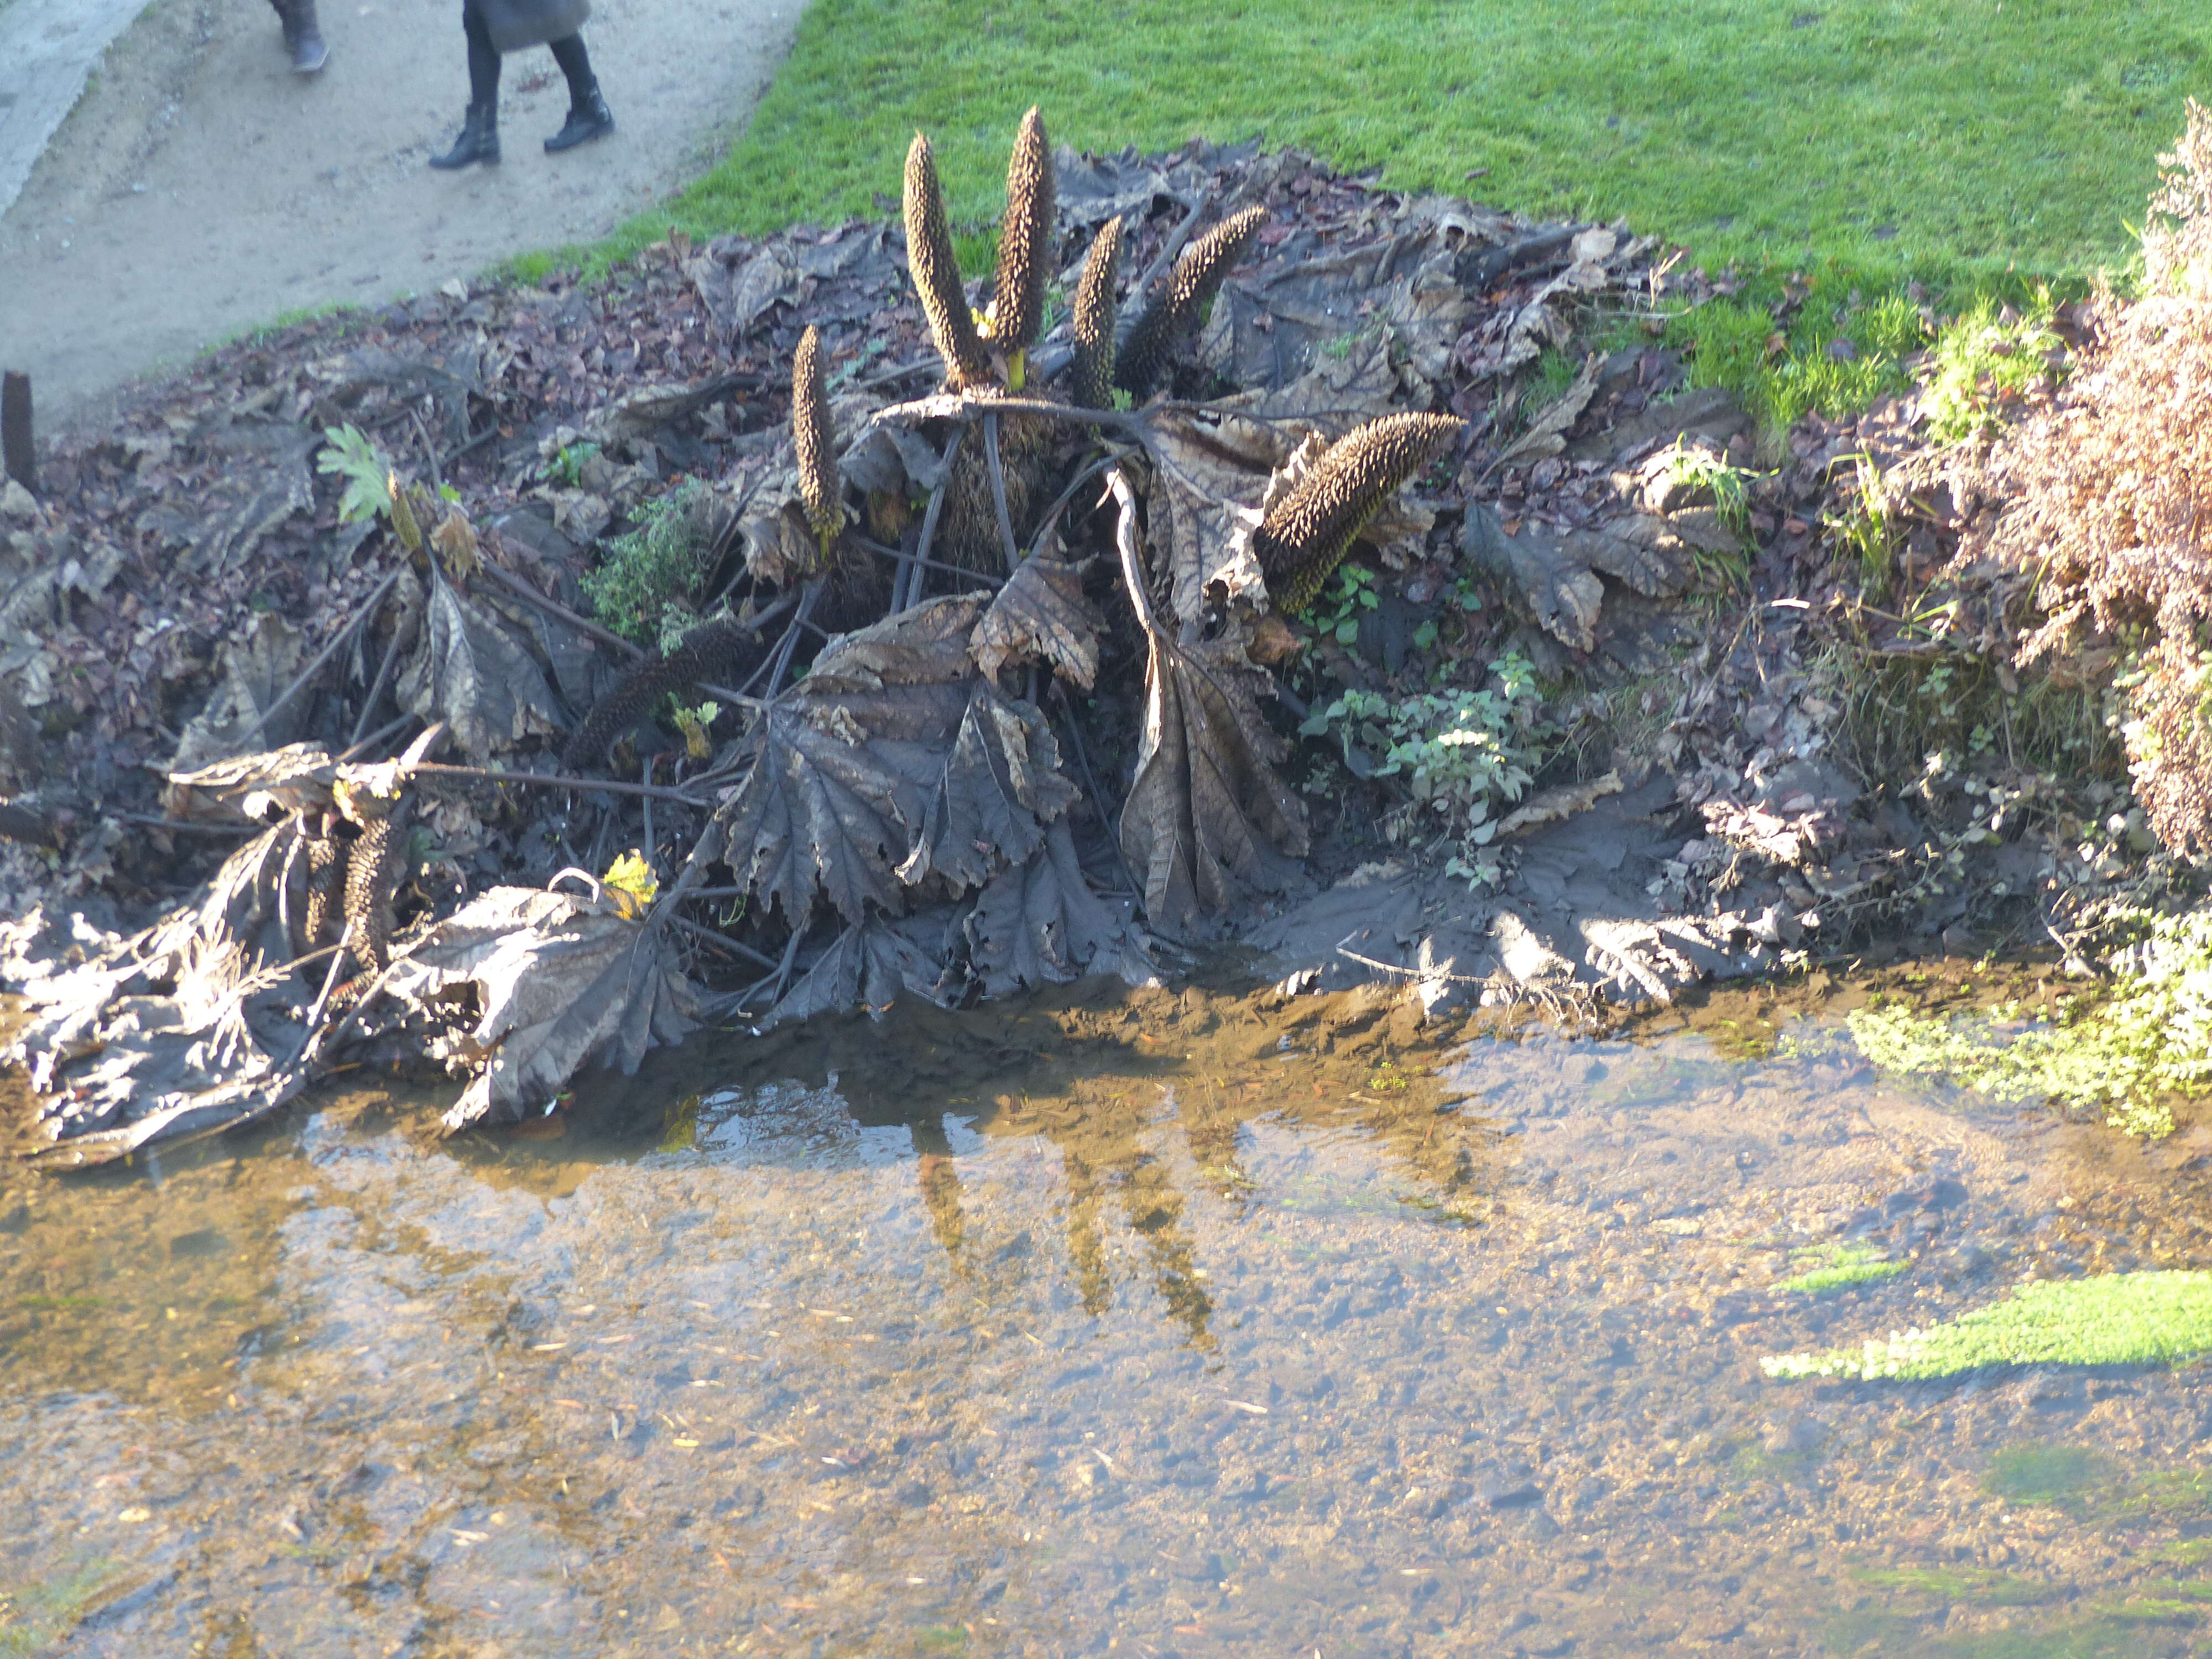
631	876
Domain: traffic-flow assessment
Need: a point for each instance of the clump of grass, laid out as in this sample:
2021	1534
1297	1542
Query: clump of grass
1991	357
647	588
1837	1268
2121	1057
2120	1319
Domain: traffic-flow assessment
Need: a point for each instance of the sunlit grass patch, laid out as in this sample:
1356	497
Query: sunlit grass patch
2120	1319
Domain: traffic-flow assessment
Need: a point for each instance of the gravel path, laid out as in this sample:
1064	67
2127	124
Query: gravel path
198	188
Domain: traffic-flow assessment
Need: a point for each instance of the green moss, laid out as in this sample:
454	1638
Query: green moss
2120	1319
1837	1267
1975	1584
2046	1474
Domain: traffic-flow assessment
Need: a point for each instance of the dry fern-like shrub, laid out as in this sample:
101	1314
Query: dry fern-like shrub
2177	237
2108	499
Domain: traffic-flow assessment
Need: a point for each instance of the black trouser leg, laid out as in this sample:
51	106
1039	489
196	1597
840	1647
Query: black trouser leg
576	64
483	61
587	111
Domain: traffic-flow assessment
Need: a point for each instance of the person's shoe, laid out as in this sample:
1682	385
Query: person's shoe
303	38
587	121
479	142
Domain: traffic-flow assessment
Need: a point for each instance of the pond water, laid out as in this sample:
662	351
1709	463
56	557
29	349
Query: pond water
1155	1323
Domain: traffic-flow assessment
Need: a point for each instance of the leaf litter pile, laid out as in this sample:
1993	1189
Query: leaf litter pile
516	679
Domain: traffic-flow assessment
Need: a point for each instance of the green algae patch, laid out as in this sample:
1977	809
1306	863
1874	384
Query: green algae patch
2120	1319
2046	1474
1838	1268
2121	1057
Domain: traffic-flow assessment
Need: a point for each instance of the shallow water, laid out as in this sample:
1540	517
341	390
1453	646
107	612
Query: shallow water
1127	1323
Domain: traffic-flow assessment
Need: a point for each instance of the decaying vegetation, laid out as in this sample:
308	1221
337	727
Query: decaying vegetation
940	648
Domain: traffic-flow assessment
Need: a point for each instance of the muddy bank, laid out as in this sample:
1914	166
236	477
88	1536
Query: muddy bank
1580	722
199	188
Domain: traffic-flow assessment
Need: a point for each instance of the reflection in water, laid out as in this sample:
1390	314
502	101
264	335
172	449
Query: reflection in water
1148	1323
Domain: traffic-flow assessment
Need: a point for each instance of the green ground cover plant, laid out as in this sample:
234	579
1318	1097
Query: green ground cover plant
2118	1319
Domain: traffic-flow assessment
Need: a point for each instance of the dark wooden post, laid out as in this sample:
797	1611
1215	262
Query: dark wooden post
16	428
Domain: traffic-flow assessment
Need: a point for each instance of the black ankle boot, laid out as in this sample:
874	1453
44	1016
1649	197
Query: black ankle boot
303	39
479	141
586	120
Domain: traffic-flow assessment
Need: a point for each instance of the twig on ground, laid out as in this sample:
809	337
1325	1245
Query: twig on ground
556	781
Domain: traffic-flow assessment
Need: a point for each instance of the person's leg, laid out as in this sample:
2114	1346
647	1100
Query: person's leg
303	37
588	115
479	139
484	60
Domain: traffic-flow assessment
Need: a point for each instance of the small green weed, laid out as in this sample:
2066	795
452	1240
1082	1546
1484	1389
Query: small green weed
647	589
352	456
566	469
1349	596
1459	754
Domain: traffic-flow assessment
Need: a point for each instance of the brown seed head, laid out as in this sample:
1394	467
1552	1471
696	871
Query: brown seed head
936	272
1025	241
1175	311
1094	319
1306	535
817	443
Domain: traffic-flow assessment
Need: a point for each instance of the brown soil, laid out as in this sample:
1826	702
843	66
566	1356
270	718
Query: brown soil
199	188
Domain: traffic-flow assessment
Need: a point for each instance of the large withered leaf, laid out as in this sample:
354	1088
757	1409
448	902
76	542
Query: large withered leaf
1040	924
995	789
1206	809
892	762
472	669
561	980
1041	614
256	670
298	775
1207	473
871	964
1207	804
175	1031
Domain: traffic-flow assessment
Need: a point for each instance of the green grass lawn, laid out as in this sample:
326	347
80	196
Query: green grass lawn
1934	136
